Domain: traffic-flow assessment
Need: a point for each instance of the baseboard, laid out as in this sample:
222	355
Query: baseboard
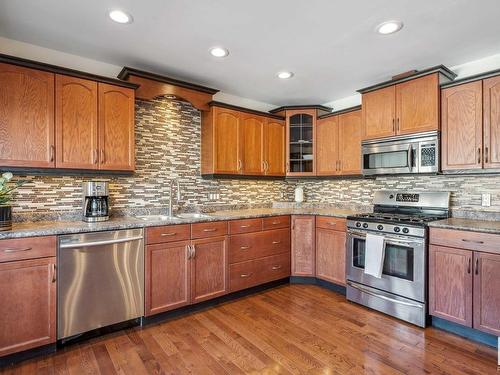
315	281
15	358
468	333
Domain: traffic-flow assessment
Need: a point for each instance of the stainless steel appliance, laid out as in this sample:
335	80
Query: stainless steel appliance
415	153
400	217
100	280
95	201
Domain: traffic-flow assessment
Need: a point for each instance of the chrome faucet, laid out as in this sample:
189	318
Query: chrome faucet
170	205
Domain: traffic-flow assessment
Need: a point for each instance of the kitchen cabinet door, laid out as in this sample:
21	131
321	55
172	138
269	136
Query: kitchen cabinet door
209	269
379	113
303	245
462	126
491	108
330	255
226	128
26	117
450	284
417	105
252	144
116	128
350	143
327	146
301	142
28	307
274	147
76	123
167	280
486	292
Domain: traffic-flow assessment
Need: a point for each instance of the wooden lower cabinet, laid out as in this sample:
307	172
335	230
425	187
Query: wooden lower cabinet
28	304
330	255
209	265
303	245
167	282
487	292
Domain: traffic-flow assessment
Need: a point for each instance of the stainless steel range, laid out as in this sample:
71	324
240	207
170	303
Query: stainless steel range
401	219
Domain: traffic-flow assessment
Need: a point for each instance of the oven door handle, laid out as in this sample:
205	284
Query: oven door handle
387	239
364	290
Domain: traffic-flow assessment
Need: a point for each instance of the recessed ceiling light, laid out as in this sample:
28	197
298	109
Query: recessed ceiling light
219	52
389	27
120	16
285	75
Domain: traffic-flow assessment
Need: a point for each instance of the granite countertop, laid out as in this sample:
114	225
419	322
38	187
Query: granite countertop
485	226
48	228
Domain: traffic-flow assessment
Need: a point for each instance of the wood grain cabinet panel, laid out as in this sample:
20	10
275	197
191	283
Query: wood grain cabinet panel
327	146
248	246
245	226
491	108
209	269
76	123
275	222
450	284
116	128
168	233
330	255
226	128
26	117
252	144
487	292
167	283
417	105
350	143
28	304
274	147
27	248
210	229
462	126
379	113
303	245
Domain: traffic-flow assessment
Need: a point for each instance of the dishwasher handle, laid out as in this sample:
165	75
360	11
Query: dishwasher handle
98	243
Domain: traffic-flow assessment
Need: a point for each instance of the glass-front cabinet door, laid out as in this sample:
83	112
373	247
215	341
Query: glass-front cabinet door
300	142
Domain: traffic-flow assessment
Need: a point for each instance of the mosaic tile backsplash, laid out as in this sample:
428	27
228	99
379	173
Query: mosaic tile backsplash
168	147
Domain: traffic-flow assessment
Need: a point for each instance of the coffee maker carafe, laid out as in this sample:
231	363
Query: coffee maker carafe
95	201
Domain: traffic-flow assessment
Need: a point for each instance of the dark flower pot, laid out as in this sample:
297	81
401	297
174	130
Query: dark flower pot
5	218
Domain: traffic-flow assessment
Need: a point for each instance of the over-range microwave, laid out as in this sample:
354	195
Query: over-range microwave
415	153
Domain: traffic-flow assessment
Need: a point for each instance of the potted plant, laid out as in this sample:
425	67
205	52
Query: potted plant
6	189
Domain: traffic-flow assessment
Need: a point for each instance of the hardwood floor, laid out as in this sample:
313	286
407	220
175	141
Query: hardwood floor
293	329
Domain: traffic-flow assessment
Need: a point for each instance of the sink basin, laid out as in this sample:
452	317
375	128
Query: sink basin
156	217
192	215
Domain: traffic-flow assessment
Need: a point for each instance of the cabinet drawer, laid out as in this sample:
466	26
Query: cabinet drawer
275	222
333	223
212	229
245	226
249	246
255	272
167	233
27	248
486	242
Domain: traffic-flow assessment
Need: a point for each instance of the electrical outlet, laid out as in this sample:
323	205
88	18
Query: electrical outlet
486	200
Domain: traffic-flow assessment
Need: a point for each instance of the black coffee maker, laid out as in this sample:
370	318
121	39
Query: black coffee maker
95	201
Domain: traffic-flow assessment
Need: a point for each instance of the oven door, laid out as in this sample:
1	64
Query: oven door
389	158
404	265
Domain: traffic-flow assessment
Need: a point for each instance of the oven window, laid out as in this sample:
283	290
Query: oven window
393	159
398	261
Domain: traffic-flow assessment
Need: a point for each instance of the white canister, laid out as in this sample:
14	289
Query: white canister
299	194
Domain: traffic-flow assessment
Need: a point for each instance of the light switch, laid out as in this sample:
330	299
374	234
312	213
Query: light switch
486	200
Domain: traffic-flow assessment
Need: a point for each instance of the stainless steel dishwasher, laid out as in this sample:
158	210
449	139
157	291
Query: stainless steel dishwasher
100	280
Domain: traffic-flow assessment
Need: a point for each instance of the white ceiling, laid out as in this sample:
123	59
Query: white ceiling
331	45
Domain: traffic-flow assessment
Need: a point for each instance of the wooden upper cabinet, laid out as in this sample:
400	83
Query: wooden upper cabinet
462	126
251	144
327	146
350	143
417	105
26	117
379	113
300	145
116	128
303	245
226	128
274	147
450	284
486	295
491	107
76	123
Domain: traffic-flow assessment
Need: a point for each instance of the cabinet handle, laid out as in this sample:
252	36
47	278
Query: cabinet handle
479	155
244	247
188	252
477	267
103	159
54	273
472	241
245	275
276	242
274	268
168	234
393	125
267	165
468	267
287	167
340	165
276	222
240	165
95	156
15	250
397	124
486	154
193	253
332	223
209	230
52	152
244	226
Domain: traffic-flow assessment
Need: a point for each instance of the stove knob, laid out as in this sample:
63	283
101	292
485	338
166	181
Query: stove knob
380	227
358	224
365	225
397	229
406	230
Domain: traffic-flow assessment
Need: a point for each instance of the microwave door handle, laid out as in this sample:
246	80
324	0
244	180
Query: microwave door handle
410	157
